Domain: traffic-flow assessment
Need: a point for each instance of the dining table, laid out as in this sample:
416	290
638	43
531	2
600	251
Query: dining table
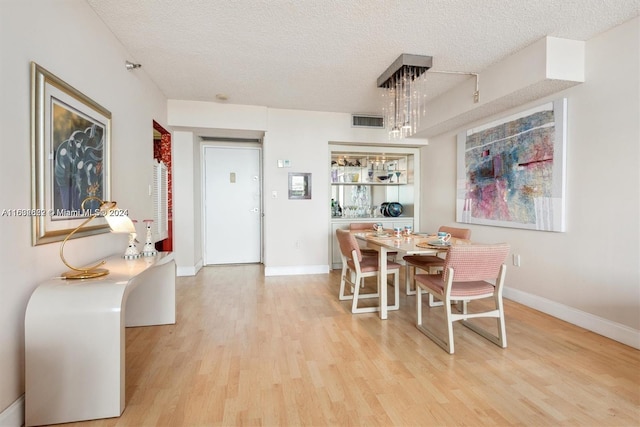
405	244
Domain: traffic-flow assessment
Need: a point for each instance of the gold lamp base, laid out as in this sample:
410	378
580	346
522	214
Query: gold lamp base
118	223
85	274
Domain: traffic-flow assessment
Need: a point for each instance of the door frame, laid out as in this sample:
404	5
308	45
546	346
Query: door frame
162	151
230	143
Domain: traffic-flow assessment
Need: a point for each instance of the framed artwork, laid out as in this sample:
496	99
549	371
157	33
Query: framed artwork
299	185
511	172
70	148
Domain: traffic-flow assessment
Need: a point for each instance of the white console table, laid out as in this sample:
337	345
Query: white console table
75	337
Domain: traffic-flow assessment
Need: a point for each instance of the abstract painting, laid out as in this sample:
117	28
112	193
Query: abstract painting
70	158
78	154
511	172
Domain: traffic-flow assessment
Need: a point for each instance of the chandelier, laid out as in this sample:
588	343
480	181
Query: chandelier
404	97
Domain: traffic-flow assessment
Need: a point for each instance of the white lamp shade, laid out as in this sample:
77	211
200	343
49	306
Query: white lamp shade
120	223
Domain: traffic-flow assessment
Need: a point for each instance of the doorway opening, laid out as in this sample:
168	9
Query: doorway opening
162	153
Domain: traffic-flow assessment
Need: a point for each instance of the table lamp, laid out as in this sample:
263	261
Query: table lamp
118	223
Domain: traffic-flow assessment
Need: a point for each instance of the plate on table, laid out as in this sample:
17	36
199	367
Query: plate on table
381	235
439	244
428	245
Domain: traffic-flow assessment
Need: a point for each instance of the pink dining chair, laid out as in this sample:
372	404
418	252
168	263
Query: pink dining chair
355	268
470	272
429	263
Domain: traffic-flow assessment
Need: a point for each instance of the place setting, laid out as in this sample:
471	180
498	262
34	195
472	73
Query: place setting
440	240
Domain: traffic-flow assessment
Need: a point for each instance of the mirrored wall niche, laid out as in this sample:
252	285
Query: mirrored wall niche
362	179
361	182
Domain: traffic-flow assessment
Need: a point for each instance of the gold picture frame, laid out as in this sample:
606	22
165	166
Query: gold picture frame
70	158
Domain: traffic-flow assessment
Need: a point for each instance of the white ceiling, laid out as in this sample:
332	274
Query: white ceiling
326	55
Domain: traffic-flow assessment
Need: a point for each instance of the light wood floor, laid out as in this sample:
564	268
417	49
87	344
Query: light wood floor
250	350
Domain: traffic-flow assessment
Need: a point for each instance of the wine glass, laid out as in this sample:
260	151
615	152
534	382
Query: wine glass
370	173
398	173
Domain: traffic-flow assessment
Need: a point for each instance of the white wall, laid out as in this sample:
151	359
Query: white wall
69	40
186	196
582	269
295	231
198	249
589	275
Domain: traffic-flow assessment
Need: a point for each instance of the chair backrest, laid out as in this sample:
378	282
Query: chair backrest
475	262
361	226
348	244
458	233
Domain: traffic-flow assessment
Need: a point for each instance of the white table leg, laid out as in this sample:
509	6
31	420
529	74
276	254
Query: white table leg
382	281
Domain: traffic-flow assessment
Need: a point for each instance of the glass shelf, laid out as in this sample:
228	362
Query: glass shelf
368	170
362	182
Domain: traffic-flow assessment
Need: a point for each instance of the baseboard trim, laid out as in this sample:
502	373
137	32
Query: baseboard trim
13	416
599	325
186	271
295	270
189	270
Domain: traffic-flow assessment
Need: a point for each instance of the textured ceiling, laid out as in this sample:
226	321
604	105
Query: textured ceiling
326	55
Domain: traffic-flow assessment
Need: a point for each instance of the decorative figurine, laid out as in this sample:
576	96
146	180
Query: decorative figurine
132	250
149	248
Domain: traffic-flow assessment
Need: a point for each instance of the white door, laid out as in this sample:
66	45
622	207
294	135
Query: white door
232	205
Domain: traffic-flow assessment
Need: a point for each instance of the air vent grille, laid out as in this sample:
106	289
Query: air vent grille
367	121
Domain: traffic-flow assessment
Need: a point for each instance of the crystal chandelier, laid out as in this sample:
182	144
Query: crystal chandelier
404	97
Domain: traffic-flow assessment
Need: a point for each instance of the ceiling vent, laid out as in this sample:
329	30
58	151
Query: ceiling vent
367	121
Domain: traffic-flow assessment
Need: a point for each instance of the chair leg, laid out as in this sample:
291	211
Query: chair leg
501	326
433	302
343	279
356	293
396	291
418	307
358	285
502	331
410	280
501	338
448	318
410	272
445	345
